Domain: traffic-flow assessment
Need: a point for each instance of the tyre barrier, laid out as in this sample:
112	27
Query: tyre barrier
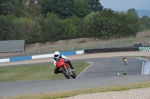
144	48
101	50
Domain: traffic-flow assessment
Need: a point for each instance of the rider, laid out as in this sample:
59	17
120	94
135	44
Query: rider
124	59
58	55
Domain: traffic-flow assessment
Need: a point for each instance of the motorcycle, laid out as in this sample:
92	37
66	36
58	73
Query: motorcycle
65	68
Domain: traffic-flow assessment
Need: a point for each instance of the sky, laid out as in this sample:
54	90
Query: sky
124	5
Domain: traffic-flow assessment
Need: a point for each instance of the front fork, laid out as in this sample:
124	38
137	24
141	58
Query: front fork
68	71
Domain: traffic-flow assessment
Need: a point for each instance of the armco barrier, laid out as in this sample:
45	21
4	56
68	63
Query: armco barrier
39	56
20	58
42	56
101	50
4	60
51	55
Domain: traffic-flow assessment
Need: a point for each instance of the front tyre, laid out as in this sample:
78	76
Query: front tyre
73	75
65	73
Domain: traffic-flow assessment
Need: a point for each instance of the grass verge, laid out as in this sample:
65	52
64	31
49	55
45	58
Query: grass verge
39	72
64	94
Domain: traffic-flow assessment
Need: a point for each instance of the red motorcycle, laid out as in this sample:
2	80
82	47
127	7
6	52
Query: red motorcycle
65	68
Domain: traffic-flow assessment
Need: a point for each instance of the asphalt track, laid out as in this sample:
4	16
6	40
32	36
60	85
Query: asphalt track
102	72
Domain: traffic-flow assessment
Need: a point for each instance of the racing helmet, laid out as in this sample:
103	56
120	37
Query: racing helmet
56	54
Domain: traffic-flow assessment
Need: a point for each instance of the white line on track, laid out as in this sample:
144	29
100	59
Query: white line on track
85	69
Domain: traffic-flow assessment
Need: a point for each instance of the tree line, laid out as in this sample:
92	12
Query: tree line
52	20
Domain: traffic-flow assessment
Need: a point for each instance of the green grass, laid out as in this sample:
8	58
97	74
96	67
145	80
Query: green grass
64	94
39	72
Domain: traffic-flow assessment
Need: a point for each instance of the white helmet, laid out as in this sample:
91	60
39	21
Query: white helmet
56	54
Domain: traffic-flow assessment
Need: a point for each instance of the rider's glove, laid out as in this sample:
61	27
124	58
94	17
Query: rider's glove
66	60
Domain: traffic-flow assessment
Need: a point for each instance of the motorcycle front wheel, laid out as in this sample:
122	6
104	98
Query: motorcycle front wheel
73	75
65	73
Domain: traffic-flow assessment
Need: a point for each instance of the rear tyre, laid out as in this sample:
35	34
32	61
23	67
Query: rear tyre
65	73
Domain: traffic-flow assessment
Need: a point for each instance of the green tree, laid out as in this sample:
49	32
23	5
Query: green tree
89	22
108	24
47	6
132	11
133	25
99	24
34	35
95	5
5	27
26	29
66	8
145	22
78	23
68	29
121	23
81	8
33	8
62	8
51	27
15	7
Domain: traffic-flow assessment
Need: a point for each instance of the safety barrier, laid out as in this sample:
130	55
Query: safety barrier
39	56
101	50
20	58
4	60
76	52
144	48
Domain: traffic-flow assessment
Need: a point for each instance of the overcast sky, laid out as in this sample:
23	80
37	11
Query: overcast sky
124	5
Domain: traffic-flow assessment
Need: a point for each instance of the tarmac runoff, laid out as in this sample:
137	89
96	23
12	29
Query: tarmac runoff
145	66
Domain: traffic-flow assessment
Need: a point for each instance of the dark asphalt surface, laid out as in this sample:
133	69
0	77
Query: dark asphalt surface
111	66
102	72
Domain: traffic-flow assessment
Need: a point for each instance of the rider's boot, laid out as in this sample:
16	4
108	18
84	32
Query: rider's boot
57	70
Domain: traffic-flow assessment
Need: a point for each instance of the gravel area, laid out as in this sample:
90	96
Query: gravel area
143	93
